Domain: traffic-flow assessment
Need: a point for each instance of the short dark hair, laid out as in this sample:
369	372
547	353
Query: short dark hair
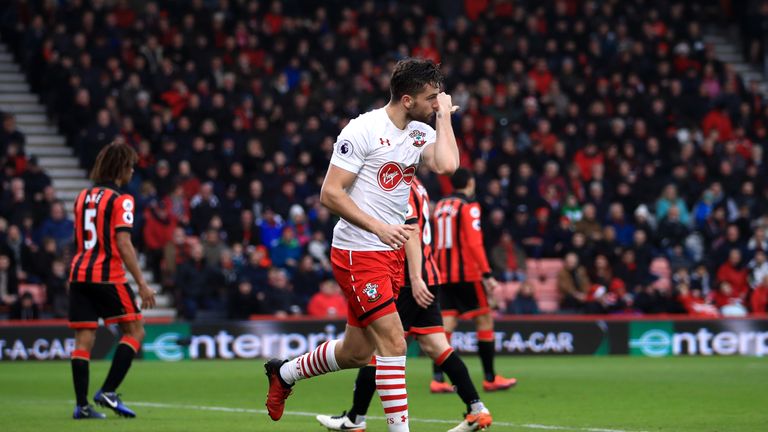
411	75
460	179
112	162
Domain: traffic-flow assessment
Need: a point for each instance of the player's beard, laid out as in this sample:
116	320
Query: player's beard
424	117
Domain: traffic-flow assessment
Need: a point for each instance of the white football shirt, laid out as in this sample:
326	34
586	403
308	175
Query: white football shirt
385	159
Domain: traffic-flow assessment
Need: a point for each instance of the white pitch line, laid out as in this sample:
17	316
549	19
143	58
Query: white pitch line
413	419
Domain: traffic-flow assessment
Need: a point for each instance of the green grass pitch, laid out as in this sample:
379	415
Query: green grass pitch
591	394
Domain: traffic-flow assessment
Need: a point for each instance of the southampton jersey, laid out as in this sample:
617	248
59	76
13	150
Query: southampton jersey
100	212
459	247
418	212
385	159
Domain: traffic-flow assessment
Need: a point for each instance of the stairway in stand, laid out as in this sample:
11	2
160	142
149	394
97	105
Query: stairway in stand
54	156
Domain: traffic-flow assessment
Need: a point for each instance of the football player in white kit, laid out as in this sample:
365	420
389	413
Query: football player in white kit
368	185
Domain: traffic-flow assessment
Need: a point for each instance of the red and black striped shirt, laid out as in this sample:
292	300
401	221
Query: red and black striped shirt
418	212
459	249
100	212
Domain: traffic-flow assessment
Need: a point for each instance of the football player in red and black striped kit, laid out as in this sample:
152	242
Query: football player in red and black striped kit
420	314
98	286
466	273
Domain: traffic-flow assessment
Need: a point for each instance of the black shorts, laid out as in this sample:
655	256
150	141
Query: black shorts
465	299
417	320
90	301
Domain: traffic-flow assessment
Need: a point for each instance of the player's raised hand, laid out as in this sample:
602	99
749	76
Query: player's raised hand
421	293
395	236
147	295
444	103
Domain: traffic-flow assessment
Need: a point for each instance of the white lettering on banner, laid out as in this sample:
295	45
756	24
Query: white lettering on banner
536	342
725	343
194	347
223	340
285	345
19	351
41	349
707	343
246	346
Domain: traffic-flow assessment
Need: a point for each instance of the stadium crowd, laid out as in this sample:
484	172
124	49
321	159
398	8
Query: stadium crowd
603	133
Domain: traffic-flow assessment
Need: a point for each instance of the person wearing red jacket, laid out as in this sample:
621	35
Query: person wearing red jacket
329	302
718	120
736	274
158	231
466	273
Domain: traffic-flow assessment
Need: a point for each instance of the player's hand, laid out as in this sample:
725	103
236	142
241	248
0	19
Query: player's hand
147	295
490	283
444	104
421	293
395	236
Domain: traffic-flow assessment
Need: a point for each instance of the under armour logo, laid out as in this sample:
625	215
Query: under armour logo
404	419
384	142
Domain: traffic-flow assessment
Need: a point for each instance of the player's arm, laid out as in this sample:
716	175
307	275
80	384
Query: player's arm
122	220
413	257
334	196
442	157
128	254
473	233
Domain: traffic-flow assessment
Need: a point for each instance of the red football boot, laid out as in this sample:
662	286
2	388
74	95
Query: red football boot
278	389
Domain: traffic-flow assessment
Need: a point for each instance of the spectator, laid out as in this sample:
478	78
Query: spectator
279	294
57	289
694	304
589	224
159	226
9	284
328	302
175	252
735	274
758	268
194	284
203	207
524	303
271	227
213	246
244	301
670	199
507	259
306	280
573	284
759	298
25	309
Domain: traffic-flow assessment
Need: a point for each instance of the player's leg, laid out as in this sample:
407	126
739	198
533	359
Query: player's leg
487	351
388	338
352	352
83	318
435	345
118	306
365	384
450	312
81	358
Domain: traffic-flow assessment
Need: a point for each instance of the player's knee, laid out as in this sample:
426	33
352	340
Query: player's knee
429	349
484	322
359	359
136	331
397	345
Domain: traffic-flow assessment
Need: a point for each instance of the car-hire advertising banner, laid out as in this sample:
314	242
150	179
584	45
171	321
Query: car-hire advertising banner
286	338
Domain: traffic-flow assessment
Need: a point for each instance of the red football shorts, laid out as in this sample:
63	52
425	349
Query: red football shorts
369	280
